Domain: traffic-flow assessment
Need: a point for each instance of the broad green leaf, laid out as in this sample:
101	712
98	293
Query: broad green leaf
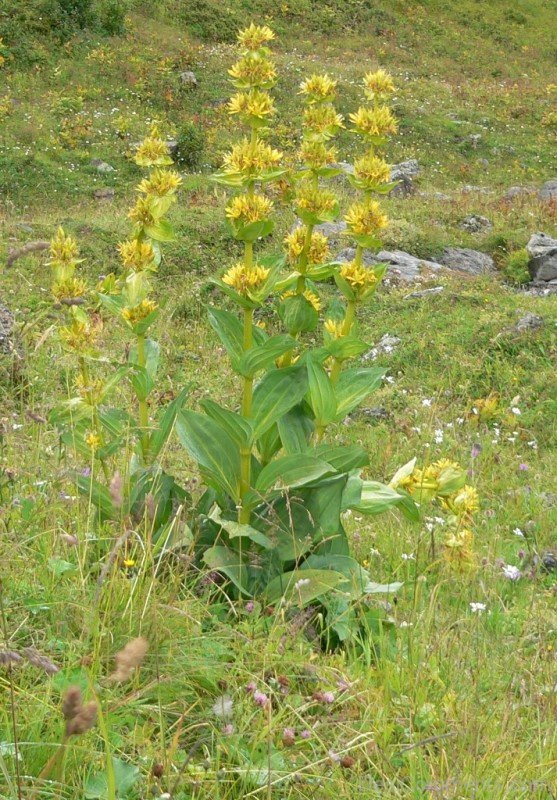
298	314
346	347
375	498
213	449
323	503
224	560
231	331
402	472
321	394
295	429
353	386
125	776
160	434
236	530
276	393
161	231
302	586
263	356
238	428
141	381
152	356
343	458
294	470
99	495
269	443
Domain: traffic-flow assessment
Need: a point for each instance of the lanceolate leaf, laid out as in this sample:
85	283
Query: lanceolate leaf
211	446
231	331
295	429
343	458
294	470
301	586
321	394
375	498
236	530
224	560
353	386
264	355
276	393
238	428
160	435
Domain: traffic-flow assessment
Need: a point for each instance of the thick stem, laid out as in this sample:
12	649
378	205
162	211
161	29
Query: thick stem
143	406
247	394
346	328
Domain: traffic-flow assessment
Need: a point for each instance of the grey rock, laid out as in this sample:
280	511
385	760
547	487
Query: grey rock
548	191
529	322
188	78
333	230
104	194
516	191
101	166
462	259
425	292
387	344
405	266
345	166
6	330
474	223
542	250
471	189
549	561
406	169
376	413
475	139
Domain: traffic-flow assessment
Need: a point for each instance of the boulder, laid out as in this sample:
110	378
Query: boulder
474	223
403	266
425	292
332	230
404	173
104	194
548	191
517	191
461	259
542	250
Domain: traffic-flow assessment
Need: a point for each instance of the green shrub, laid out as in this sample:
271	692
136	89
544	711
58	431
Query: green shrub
516	267
190	146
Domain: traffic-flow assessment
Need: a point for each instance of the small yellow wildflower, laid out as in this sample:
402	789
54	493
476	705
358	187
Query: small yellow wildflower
90	389
152	152
334	328
322	120
245	280
371	171
142	212
378	83
63	249
458	551
310	296
316	154
251	158
129	563
360	279
315	201
93	440
69	289
318	250
365	218
378	121
137	255
464	502
139	312
253	71
318	88
160	183
255	36
254	104
249	208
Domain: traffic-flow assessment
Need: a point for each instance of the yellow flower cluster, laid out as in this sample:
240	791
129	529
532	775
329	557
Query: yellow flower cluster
80	335
378	84
93	440
152	152
142	212
255	37
316	155
245	280
69	289
360	279
318	251
253	71
371	171
63	249
137	255
378	121
459	549
365	218
249	208
464	502
252	105
315	201
318	88
310	296
335	328
322	120
160	183
139	312
251	158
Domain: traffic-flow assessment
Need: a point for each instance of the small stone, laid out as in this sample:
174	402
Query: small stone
188	78
549	561
104	194
462	259
387	344
404	174
516	191
474	223
542	250
475	139
101	166
548	191
425	292
529	322
332	230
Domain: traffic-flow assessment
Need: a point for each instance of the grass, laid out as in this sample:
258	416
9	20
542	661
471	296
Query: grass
442	700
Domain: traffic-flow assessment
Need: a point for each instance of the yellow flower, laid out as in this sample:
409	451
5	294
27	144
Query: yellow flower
245	280
255	36
318	250
360	279
249	208
334	328
252	71
316	154
160	183
69	289
63	249
315	201
129	563
139	312
79	336
251	158
93	440
365	218
378	121
378	83
152	152
458	550
254	104
310	296
137	255
322	120
89	390
371	171
142	212
464	502
318	88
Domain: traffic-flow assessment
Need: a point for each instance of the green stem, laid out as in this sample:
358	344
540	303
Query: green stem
96	425
346	328
143	406
247	396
